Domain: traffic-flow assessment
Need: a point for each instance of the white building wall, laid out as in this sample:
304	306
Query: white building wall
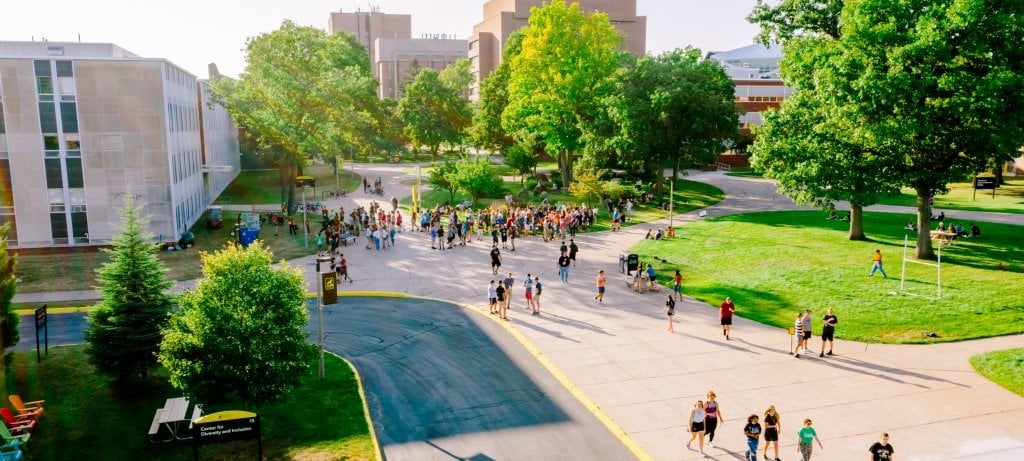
220	146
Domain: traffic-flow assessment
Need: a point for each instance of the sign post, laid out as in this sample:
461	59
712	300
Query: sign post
226	426
328	284
984	182
41	324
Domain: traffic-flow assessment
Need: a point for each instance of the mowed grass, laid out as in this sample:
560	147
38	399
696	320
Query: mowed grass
88	419
1005	368
688	195
774	263
264	186
1009	198
77	270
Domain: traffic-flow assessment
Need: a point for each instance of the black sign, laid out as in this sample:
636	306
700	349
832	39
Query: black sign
985	182
41	325
330	284
303	181
226	430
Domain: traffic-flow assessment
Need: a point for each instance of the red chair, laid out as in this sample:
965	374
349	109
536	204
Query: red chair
17	425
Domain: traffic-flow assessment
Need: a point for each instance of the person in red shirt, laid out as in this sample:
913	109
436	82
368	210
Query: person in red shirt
725	311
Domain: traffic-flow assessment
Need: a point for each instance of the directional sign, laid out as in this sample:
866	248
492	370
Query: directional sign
985	182
226	426
330	284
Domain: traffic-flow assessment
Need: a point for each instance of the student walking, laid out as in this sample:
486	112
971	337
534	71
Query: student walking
713	416
881	451
600	286
342	269
876	264
537	288
772	428
753	432
573	250
670	309
828	331
677	285
807	331
495	259
492	297
502	295
807	436
563	267
725	311
697	427
508	282
798	329
528	291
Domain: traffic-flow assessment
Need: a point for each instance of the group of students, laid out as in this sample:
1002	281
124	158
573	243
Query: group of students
706	416
499	294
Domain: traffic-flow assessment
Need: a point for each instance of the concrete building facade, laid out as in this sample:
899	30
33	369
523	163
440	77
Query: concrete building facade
396	57
502	17
755	71
86	125
368	26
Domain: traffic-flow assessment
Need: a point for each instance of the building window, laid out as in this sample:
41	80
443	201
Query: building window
75	179
54	175
42	68
69	117
64	69
47	117
55	50
79	225
59	228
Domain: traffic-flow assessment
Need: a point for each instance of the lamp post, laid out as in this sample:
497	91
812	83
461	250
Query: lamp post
671	197
320	276
305	216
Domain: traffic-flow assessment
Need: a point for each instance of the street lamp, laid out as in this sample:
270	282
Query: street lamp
330	278
305	216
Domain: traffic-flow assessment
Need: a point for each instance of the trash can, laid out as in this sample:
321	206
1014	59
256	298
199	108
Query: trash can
248	235
632	263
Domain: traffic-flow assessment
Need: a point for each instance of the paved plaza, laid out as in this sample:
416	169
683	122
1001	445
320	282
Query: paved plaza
618	357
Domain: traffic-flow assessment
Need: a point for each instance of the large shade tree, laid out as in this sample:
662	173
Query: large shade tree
433	112
304	94
559	78
241	332
487	131
125	328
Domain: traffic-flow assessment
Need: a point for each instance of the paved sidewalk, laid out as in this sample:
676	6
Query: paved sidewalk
618	353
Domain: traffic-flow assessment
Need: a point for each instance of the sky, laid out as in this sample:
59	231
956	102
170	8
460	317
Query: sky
194	33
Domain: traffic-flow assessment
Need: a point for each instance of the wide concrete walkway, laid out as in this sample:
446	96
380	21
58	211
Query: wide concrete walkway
620	356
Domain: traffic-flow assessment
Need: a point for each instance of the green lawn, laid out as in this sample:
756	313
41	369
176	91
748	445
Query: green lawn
1005	368
77	270
688	195
744	172
1009	198
773	264
87	419
264	186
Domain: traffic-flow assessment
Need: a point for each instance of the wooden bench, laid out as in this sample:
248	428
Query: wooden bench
154	427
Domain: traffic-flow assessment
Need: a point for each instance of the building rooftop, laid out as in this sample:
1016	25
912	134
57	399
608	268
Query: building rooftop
49	50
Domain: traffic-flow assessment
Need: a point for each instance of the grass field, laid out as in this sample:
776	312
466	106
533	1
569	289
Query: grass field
689	195
775	263
87	419
77	271
744	172
1005	368
1009	198
264	186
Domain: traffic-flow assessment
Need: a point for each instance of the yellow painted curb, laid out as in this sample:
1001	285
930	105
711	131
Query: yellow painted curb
55	310
366	407
373	294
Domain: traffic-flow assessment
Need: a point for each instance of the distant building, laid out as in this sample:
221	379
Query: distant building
502	17
392	50
83	125
755	70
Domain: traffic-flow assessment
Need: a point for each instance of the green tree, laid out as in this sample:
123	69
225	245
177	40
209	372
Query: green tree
521	160
487	131
477	178
457	76
125	327
433	113
588	187
674	109
780	21
443	177
936	85
241	332
9	320
304	94
559	78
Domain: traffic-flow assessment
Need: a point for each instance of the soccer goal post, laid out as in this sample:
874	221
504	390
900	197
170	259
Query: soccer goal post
937	265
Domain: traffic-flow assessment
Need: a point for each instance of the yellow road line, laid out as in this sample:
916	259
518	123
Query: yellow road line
366	407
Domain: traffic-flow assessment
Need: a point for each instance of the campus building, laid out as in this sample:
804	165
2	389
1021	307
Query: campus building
84	125
502	17
755	71
392	51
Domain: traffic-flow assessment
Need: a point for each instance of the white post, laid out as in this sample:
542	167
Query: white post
938	272
903	273
320	318
671	196
305	225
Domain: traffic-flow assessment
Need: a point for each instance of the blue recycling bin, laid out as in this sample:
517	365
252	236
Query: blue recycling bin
248	235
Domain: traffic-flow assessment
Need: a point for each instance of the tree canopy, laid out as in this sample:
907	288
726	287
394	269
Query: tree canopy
241	332
433	112
559	78
487	131
125	327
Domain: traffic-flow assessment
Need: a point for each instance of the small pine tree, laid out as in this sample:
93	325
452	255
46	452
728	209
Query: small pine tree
125	328
8	284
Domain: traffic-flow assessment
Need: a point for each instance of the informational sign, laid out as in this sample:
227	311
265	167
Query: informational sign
330	284
41	325
985	182
305	181
226	426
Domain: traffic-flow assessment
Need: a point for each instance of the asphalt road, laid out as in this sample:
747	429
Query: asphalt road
441	383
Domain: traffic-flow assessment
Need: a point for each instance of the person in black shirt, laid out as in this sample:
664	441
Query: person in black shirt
828	331
753	432
670	309
881	451
495	259
563	267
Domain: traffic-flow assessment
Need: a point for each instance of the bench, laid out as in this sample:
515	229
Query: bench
154	427
197	413
350	240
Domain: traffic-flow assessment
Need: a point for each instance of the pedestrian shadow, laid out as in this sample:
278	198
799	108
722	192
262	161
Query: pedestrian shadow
540	329
476	457
579	324
884	372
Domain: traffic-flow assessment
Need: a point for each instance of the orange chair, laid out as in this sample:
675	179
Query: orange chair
34	409
17	425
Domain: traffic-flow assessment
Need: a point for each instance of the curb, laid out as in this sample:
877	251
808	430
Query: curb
366	408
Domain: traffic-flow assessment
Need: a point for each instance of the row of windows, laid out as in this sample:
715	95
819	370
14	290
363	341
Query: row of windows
760	99
55	168
178	77
185	164
68	117
79	227
182	118
187	210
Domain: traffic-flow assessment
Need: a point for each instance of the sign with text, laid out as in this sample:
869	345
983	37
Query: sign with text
329	281
985	182
42	325
226	426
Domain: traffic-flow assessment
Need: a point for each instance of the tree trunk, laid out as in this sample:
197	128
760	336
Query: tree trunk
565	159
284	170
857	222
998	172
924	238
675	170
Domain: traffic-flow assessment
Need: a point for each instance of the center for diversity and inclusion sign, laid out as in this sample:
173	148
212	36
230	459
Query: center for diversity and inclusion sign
226	426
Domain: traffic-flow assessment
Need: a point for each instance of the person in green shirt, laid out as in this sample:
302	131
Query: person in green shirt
807	436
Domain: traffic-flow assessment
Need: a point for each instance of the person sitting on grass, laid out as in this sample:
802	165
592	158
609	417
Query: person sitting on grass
911	225
649	235
658	235
975	231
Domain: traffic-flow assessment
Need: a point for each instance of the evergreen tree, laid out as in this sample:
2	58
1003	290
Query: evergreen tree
8	319
124	330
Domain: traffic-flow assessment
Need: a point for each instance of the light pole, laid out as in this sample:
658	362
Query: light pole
320	304
305	216
671	196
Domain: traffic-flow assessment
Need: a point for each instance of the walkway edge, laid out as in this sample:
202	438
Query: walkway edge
366	406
